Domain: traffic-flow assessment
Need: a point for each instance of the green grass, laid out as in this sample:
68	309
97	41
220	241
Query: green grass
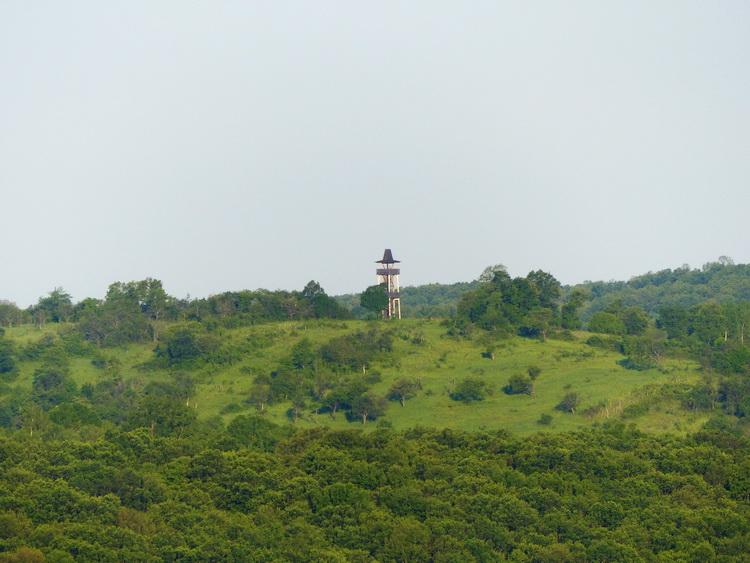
440	362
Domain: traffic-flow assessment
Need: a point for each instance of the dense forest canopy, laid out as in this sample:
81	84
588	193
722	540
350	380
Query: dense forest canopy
251	492
721	281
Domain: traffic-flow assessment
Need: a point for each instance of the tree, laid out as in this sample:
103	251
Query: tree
569	311
185	343
7	358
375	298
470	389
569	402
298	405
73	415
538	321
56	307
344	395
520	383
534	371
634	319
643	351
52	384
490	273
256	432
402	389
261	395
33	418
166	416
320	304
548	287
710	322
545	419
675	320
10	314
606	323
369	406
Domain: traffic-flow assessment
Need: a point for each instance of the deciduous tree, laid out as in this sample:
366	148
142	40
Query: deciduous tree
375	298
470	389
402	389
369	406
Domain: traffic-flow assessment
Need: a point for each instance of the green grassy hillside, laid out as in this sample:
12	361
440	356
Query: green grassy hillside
421	352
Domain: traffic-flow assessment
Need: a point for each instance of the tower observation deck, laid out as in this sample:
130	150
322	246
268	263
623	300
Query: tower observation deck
388	274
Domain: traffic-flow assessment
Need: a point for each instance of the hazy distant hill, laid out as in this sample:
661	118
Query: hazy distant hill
720	281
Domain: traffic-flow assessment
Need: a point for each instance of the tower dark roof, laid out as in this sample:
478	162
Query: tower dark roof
388	258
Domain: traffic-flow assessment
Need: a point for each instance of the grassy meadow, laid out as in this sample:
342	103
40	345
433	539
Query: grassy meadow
423	352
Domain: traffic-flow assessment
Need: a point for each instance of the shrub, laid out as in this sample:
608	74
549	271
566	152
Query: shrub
545	419
518	384
606	323
470	389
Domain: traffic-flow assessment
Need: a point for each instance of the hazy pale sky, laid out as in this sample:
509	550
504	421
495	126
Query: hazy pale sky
240	145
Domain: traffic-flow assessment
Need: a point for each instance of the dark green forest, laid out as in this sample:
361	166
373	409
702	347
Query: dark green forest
252	492
293	454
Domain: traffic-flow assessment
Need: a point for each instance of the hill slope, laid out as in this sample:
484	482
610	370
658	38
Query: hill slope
420	352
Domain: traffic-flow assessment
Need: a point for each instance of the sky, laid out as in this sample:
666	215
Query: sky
219	146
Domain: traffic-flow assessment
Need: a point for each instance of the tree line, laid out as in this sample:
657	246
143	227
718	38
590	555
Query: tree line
138	311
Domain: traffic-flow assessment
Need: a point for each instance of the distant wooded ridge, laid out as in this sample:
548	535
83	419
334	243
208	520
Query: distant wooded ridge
721	281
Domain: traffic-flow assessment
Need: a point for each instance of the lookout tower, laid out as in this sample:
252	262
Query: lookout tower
388	274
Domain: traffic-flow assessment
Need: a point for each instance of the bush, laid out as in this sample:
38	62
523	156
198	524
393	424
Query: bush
470	389
604	342
564	335
545	419
518	384
569	402
606	323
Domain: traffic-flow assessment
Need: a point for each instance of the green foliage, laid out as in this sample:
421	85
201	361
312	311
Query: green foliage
163	415
8	356
520	383
130	469
255	433
569	402
369	406
356	351
502	303
722	281
423	495
635	320
276	362
52	384
319	305
402	390
10	314
643	352
73	415
606	323
56	307
569	318
471	389
187	343
375	298
604	342
534	371
545	419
